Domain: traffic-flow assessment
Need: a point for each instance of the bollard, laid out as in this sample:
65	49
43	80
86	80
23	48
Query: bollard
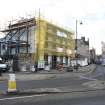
12	84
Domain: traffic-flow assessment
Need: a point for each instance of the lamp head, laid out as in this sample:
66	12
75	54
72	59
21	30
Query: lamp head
81	23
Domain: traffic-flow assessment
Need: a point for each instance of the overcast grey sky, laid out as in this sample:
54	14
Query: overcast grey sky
64	12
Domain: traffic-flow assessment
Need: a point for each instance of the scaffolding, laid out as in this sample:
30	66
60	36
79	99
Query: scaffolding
48	41
17	37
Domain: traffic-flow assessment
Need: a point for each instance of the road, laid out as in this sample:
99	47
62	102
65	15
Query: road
50	83
96	97
86	98
98	73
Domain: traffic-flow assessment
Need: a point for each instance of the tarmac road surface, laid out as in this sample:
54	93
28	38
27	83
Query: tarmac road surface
85	98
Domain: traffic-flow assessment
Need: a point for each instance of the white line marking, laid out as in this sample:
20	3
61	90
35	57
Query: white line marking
13	98
88	78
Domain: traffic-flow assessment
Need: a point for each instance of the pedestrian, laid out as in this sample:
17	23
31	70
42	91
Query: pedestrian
36	67
1	69
0	72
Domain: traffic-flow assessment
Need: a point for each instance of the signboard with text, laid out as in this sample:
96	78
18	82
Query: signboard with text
41	64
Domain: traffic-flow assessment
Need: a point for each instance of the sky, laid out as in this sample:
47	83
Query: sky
63	13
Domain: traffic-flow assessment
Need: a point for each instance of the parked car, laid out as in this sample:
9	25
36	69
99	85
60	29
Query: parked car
3	66
103	62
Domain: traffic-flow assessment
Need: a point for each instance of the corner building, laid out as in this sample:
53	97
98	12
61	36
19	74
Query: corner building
40	41
54	43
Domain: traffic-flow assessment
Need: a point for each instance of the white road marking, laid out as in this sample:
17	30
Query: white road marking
13	98
88	78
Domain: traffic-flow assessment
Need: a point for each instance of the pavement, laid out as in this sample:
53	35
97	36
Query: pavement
44	74
92	85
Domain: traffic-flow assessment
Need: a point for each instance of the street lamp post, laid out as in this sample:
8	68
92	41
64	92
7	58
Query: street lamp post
76	42
76	46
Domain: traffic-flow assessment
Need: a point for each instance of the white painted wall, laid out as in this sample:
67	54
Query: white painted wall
81	62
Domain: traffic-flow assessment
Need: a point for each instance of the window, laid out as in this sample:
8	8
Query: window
62	34
3	47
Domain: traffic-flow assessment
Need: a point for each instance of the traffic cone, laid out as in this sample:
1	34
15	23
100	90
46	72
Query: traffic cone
12	84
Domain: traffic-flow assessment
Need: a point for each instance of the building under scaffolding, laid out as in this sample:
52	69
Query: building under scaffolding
37	41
